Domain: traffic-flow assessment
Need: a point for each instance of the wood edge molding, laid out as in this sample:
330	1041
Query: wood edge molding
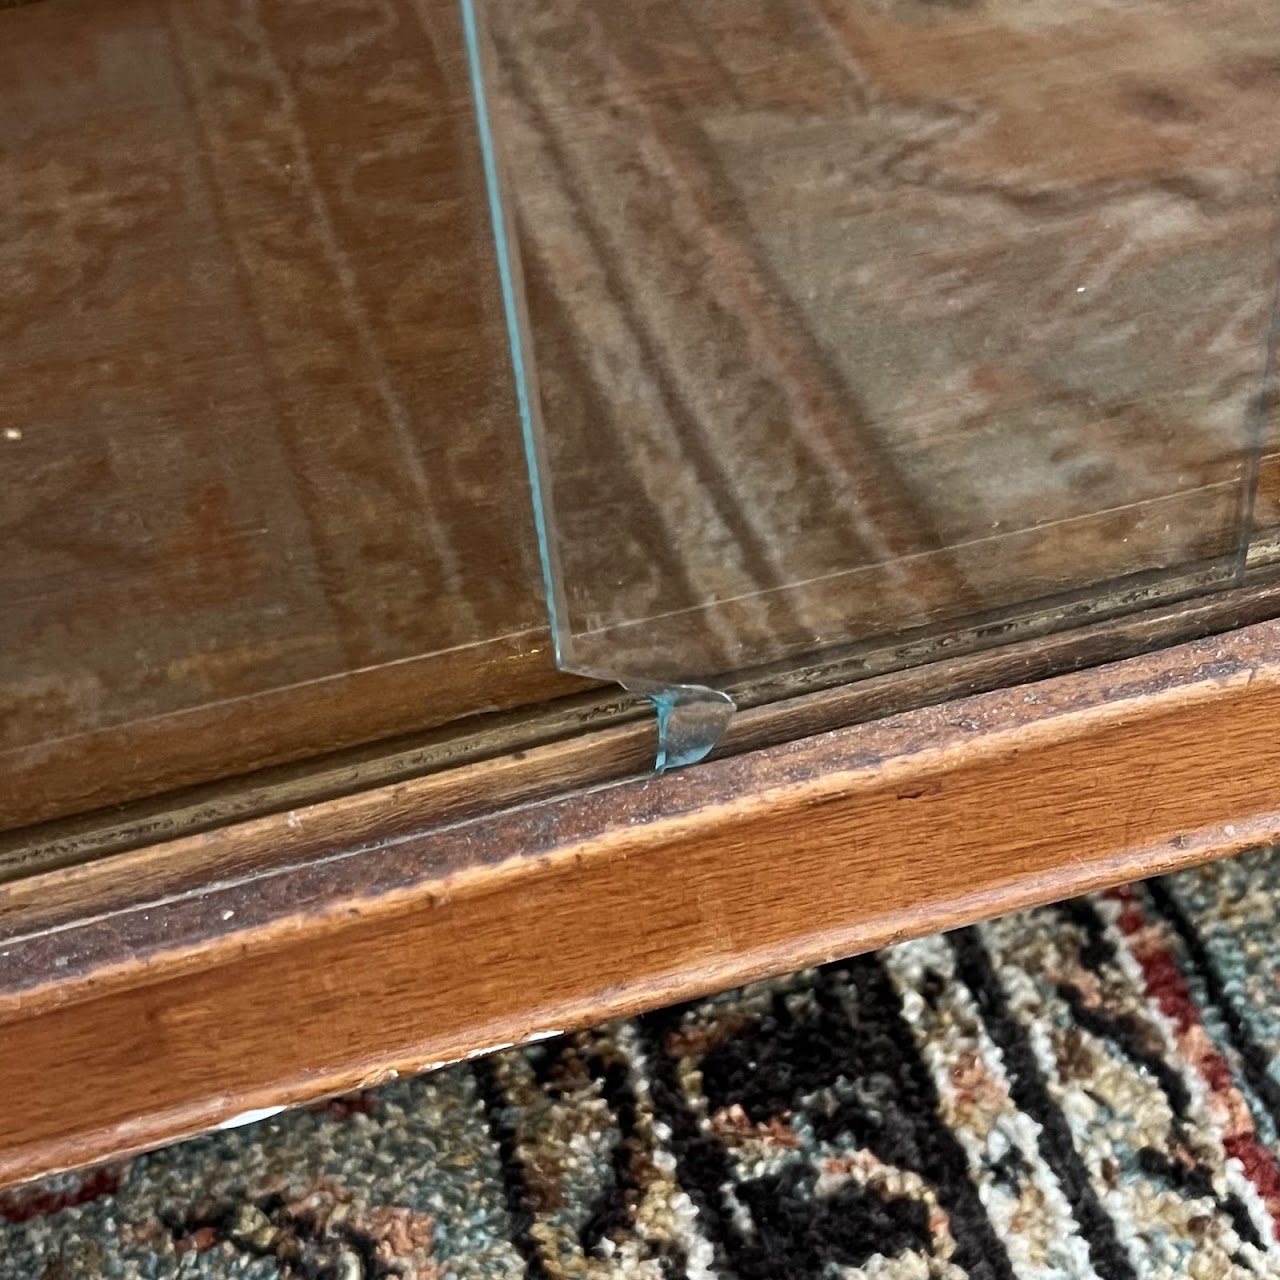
167	1019
364	770
81	902
309	834
778	706
206	1111
298	829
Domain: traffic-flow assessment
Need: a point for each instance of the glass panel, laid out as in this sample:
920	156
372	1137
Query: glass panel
257	416
880	322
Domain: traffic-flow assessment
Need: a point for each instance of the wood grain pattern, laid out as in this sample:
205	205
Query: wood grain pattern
933	308
263	492
598	737
402	953
829	353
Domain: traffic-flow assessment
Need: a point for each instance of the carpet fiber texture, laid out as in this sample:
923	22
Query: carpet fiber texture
1085	1090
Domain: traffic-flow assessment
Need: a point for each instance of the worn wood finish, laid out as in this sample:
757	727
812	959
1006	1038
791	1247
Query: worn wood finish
395	955
264	492
537	754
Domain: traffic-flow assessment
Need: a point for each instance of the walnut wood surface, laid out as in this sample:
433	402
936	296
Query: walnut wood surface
828	350
263	500
170	1013
262	493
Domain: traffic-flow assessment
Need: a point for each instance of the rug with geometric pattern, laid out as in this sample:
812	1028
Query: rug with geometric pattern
1085	1090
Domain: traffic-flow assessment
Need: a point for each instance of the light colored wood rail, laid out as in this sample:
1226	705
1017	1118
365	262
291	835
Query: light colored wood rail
175	1009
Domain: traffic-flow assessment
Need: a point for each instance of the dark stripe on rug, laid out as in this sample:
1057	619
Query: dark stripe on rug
1117	1029
1030	1093
837	1052
1165	970
1253	1057
702	1164
797	1060
514	1178
1196	1182
617	1075
882	1042
614	1214
1097	954
1098	950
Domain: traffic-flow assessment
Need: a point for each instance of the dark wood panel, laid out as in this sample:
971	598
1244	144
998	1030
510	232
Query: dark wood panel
262	492
171	1014
819	347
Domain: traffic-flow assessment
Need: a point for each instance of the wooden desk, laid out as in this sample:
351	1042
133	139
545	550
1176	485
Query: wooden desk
284	756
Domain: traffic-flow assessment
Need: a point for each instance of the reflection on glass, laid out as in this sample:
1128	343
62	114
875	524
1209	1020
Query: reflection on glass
255	396
845	321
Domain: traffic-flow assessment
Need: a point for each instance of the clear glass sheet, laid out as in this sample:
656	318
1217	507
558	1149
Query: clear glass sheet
261	496
863	322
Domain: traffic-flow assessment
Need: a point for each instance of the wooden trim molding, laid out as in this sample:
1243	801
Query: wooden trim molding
140	1002
599	737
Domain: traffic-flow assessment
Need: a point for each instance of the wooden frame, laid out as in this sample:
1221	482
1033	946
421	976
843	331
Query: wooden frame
605	735
294	797
160	992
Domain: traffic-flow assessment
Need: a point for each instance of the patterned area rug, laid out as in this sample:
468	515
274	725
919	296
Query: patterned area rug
1086	1090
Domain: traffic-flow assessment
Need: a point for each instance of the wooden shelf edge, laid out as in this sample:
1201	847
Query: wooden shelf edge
604	736
178	1013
